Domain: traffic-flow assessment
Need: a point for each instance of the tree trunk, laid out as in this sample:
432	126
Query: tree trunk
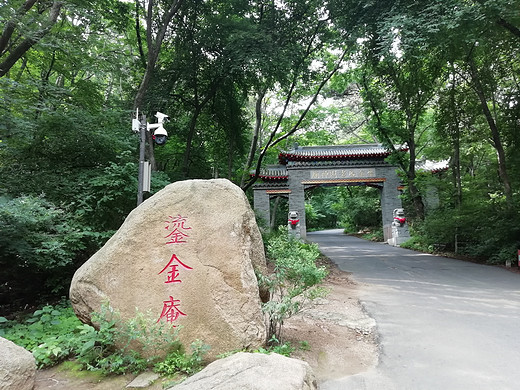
509	27
456	165
199	106
231	154
11	25
154	48
189	141
272	141
495	134
143	87
256	135
455	138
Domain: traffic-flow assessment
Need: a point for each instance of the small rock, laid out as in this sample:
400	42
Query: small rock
144	379
17	367
253	371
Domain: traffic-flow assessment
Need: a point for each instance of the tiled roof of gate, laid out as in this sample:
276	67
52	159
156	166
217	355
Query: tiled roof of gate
336	155
273	173
336	152
432	166
335	163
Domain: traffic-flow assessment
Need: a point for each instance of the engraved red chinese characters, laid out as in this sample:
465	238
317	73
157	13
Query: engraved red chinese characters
176	230
171	311
173	274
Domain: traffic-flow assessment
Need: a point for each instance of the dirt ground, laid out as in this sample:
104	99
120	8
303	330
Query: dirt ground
341	336
334	335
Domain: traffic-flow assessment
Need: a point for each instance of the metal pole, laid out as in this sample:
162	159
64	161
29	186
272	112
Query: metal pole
142	145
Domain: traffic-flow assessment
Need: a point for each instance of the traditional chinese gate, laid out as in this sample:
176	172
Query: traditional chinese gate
309	166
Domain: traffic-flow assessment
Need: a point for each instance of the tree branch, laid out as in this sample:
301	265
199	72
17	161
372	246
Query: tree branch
138	34
11	25
509	27
27	43
272	142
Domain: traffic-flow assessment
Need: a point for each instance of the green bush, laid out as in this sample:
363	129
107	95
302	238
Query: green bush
275	346
179	362
294	280
416	243
46	333
358	208
375	235
54	333
493	239
37	235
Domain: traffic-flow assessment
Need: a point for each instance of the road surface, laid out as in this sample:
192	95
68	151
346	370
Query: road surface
443	324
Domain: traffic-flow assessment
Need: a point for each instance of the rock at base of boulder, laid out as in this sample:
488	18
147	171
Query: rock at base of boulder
253	371
17	367
144	379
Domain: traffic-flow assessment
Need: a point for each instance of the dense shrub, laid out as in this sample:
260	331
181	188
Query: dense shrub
494	239
294	279
36	234
54	333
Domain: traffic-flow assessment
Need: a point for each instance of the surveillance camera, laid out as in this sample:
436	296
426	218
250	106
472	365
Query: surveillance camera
136	125
160	139
160	135
161	118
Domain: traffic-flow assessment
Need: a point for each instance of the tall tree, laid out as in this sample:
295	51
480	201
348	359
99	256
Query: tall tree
157	22
301	36
482	53
23	28
400	78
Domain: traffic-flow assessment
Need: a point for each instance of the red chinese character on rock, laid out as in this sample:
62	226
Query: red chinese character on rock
171	311
173	274
176	229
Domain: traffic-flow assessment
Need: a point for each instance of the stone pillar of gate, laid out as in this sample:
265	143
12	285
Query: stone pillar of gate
297	197
262	205
390	200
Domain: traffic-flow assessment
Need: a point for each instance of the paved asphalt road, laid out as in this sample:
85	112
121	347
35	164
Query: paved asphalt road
443	324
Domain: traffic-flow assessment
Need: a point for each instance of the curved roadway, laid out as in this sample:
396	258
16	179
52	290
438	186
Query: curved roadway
443	324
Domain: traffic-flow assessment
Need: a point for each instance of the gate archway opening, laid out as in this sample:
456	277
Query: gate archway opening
353	208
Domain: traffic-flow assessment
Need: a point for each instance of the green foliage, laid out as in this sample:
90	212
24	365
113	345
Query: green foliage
37	235
50	324
275	346
375	235
179	362
95	349
305	346
358	208
353	208
320	209
294	281
313	217
109	196
417	243
54	333
493	240
112	346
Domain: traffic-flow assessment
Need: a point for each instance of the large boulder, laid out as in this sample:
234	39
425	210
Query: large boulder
187	255
17	367
253	371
